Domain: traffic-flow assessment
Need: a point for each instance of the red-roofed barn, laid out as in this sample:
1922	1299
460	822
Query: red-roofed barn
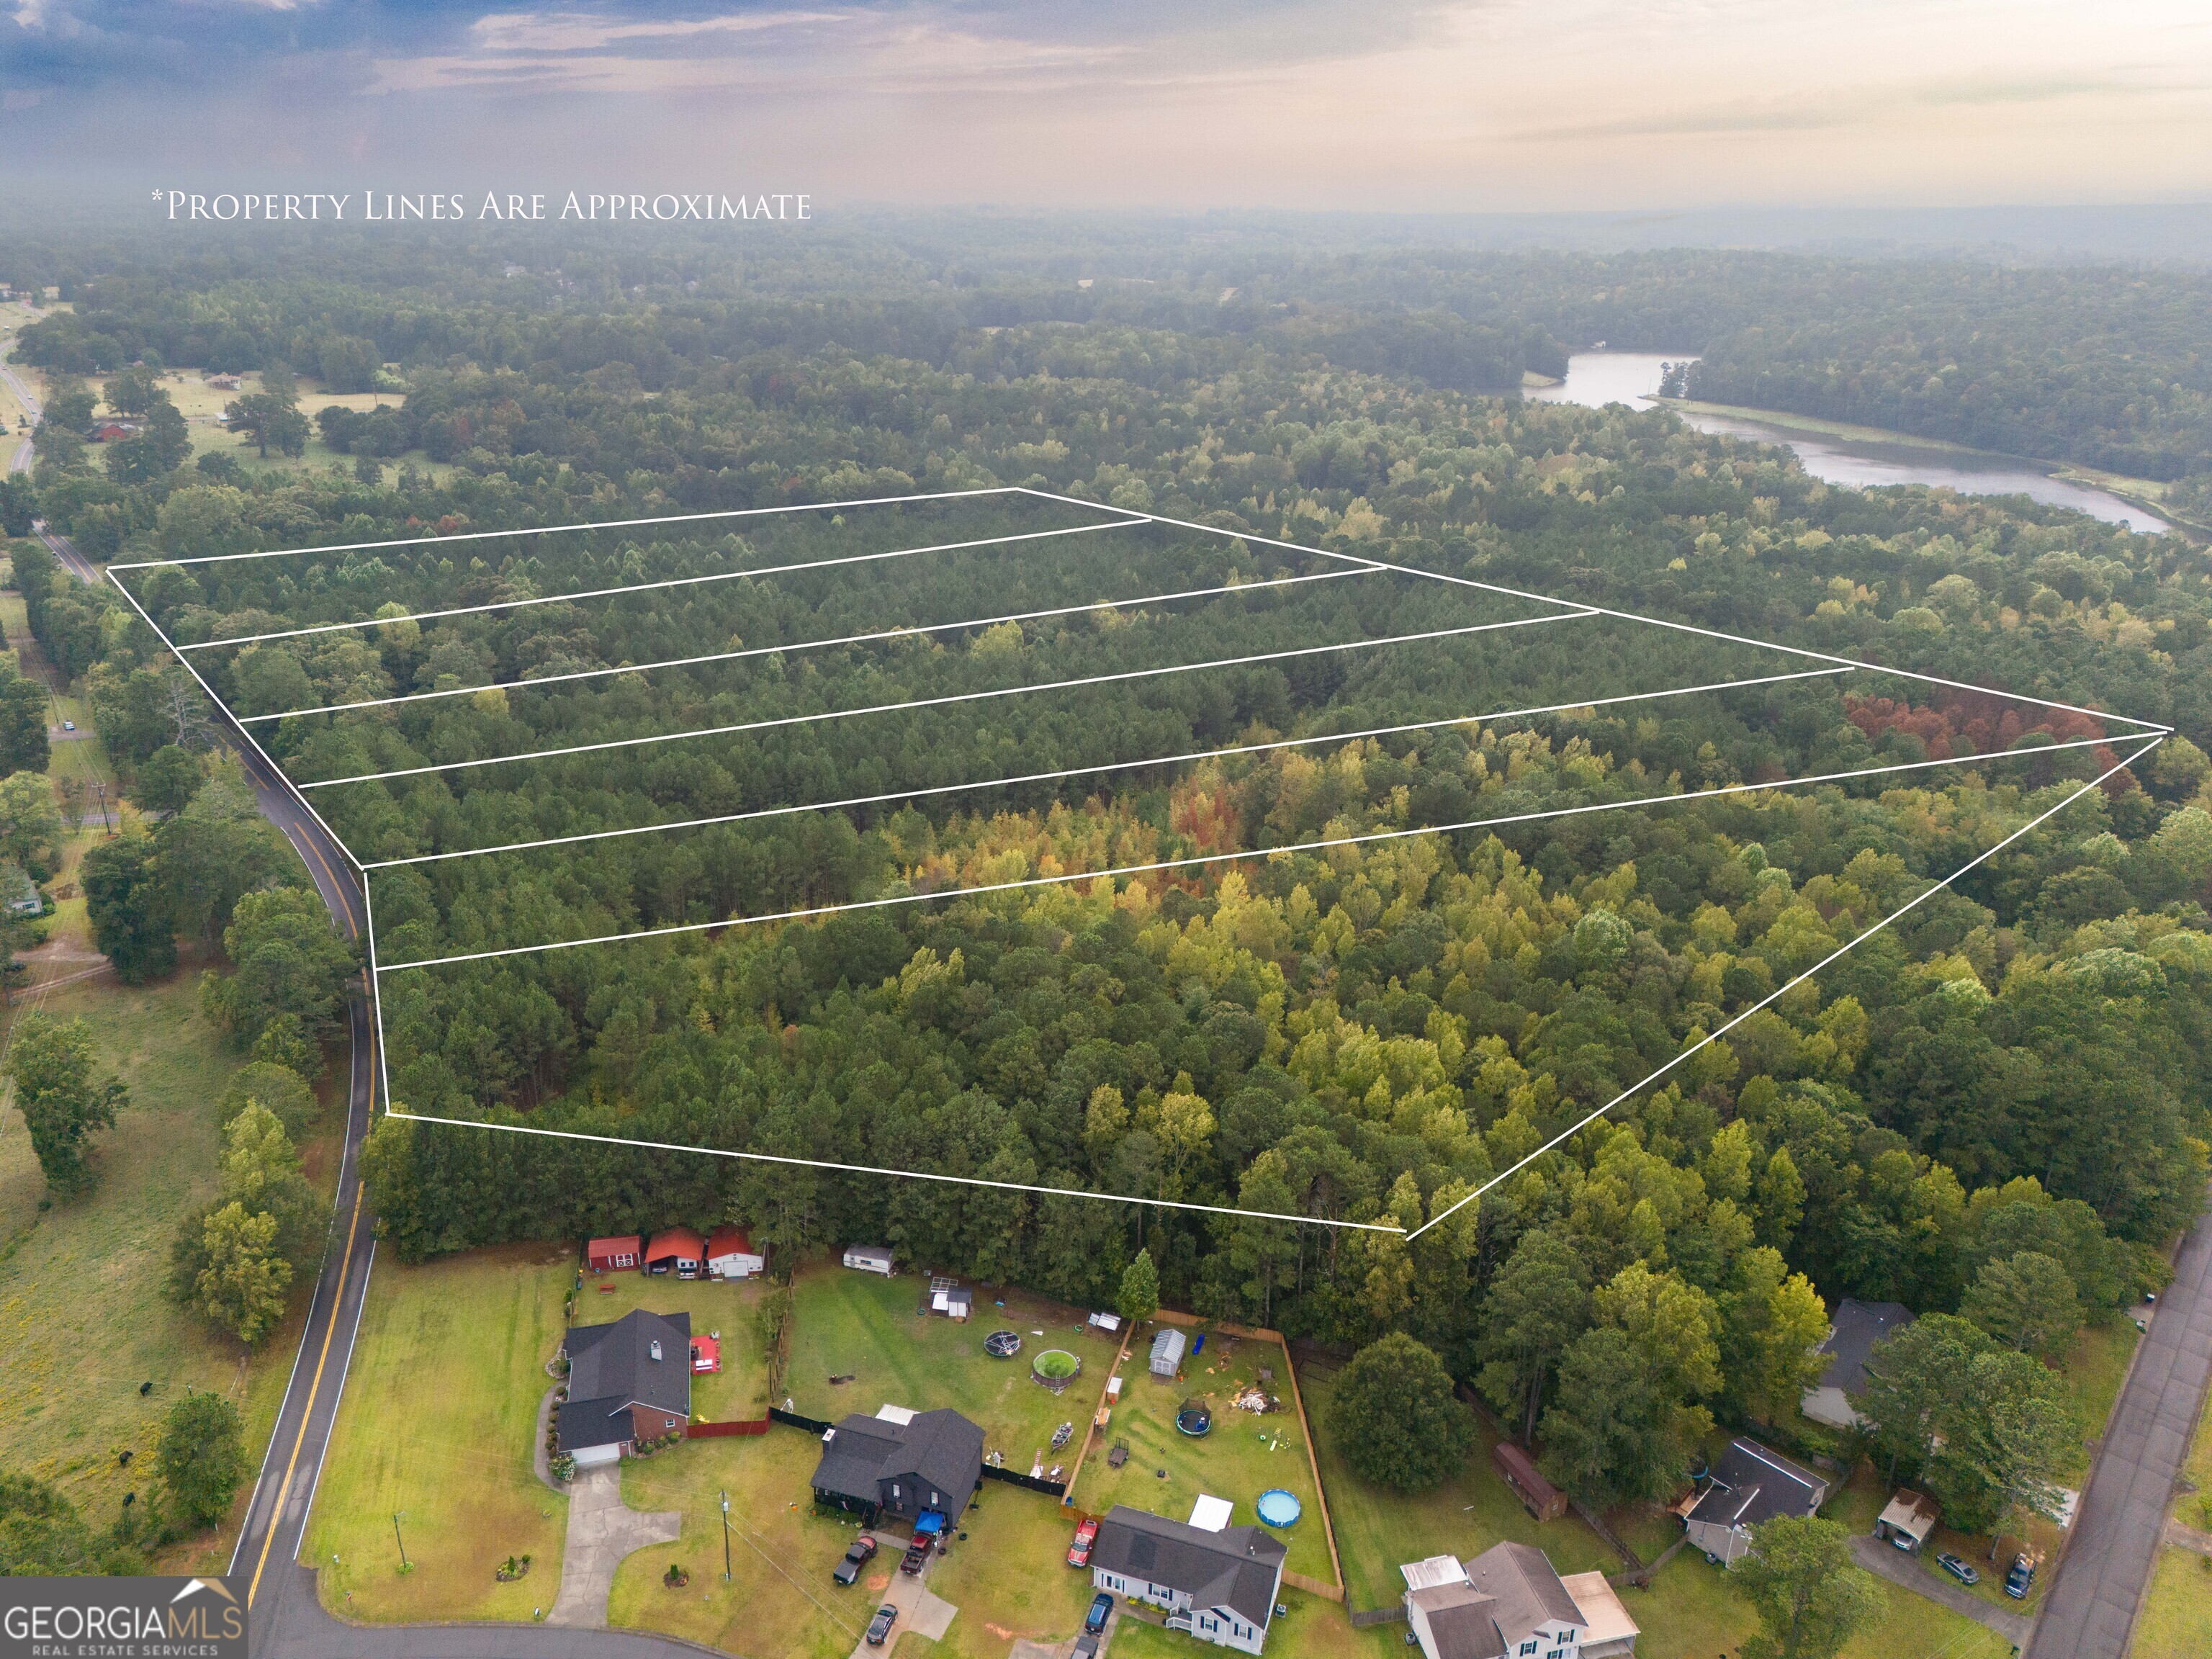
677	1249
607	1255
731	1254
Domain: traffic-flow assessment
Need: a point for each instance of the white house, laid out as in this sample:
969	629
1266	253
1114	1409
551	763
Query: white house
1751	1483
1858	1326
1509	1603
1217	1584
869	1258
731	1254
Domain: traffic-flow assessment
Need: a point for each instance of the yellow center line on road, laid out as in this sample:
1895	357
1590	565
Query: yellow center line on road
308	1410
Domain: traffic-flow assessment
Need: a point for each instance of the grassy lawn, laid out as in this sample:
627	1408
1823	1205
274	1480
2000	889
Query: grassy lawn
1243	1457
2096	1370
1313	1629
1693	1611
2176	1622
1864	1498
740	1389
868	1328
780	1603
1011	1579
2194	1508
1377	1530
84	1314
436	1422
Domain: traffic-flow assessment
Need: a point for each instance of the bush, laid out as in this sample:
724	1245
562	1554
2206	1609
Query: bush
1395	1418
202	1459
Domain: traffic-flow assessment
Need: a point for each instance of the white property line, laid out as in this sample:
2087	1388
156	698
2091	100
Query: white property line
650	587
610	524
925	792
908	1174
1718	1031
1257	852
1630	616
935	703
882	634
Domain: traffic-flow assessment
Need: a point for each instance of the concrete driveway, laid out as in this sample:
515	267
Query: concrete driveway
920	1609
1912	1573
601	1530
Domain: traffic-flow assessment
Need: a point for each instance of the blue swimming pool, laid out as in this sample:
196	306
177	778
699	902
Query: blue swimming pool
1279	1508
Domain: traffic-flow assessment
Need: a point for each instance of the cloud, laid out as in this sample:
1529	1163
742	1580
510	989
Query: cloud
1846	107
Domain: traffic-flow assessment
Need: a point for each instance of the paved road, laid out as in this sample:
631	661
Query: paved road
1884	1560
2090	1608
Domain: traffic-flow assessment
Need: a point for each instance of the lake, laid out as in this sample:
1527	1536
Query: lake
1598	377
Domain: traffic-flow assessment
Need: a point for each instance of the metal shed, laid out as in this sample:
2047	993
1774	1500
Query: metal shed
1167	1353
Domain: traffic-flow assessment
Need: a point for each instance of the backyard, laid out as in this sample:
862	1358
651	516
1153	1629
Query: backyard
436	1426
739	1389
1243	1455
867	1332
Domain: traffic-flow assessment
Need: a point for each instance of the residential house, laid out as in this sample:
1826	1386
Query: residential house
869	1258
911	1466
731	1254
1167	1353
1857	1327
1217	1584
678	1249
1510	1603
609	1255
627	1382
1750	1484
1908	1521
18	891
1543	1500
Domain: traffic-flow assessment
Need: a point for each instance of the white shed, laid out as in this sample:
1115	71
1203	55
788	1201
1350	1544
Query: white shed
1167	1353
869	1258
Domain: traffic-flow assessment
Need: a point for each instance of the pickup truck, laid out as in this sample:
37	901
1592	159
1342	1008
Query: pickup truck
917	1556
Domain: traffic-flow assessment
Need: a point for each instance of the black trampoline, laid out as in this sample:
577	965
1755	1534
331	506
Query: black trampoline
1002	1344
1195	1419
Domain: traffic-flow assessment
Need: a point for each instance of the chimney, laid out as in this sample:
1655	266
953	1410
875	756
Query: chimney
656	1349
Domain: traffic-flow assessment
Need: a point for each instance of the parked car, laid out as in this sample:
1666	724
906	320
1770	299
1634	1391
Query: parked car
69	725
879	1627
1086	1647
1958	1569
1079	1552
862	1552
1102	1609
2019	1577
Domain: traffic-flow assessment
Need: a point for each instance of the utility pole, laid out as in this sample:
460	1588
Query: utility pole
725	1536
402	1542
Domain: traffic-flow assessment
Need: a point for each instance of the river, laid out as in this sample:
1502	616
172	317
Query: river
1599	378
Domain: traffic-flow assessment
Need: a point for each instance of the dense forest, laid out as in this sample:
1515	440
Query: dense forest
1360	1032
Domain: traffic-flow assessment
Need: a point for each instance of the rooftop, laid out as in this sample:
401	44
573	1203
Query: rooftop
1857	1327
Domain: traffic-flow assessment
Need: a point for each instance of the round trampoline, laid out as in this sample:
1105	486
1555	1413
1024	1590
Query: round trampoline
1195	1419
1278	1507
1002	1344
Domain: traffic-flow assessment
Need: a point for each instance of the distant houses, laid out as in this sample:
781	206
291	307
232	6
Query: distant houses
1217	1583
1857	1327
1750	1483
1510	1601
628	1380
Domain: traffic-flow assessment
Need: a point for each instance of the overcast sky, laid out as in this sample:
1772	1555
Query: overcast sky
1454	106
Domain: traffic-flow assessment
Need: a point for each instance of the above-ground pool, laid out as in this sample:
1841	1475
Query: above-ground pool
1002	1344
1055	1368
1195	1419
1279	1508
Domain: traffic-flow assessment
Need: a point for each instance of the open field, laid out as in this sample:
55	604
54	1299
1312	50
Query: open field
1376	1530
84	1313
781	1603
2176	1620
437	1422
1243	1457
860	1325
740	1389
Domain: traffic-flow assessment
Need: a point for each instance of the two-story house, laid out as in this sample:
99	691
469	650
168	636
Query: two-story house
911	1466
1217	1583
1509	1603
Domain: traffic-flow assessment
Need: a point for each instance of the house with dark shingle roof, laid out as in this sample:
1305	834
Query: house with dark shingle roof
1751	1483
1219	1587
628	1380
1508	1602
1857	1328
900	1466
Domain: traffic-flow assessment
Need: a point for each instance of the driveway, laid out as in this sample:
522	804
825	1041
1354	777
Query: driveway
1912	1574
601	1530
2090	1608
920	1609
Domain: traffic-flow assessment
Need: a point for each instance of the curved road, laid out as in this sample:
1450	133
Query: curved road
287	1619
